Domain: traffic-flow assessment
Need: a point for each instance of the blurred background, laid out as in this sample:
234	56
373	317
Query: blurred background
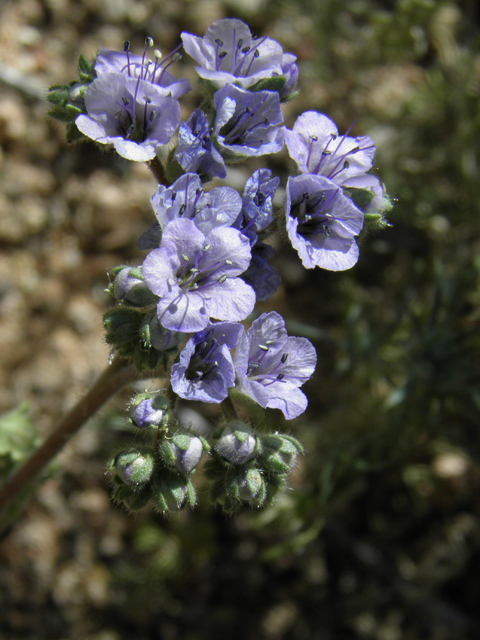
380	537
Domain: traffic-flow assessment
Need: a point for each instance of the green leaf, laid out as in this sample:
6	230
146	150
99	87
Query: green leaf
18	438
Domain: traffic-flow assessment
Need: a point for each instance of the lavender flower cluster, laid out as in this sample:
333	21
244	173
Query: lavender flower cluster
209	259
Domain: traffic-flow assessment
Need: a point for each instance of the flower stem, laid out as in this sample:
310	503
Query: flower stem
228	409
118	374
156	168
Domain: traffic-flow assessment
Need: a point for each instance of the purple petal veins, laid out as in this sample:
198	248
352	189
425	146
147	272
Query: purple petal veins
196	276
186	198
133	115
271	366
247	123
317	148
229	54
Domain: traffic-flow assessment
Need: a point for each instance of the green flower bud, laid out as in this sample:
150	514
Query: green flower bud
134	467
172	492
149	410
122	325
183	451
129	286
251	486
133	498
236	442
280	453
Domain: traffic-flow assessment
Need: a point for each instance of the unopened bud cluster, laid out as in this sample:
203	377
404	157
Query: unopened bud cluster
132	327
248	468
157	473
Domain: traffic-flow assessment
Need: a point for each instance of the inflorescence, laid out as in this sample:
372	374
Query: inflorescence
209	257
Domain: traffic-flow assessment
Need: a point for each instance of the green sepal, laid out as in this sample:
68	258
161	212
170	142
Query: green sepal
122	325
275	482
205	444
86	69
72	110
275	83
135	466
290	97
182	441
173	492
59	94
133	499
149	359
242	434
361	197
208	89
136	272
73	133
60	113
173	169
167	453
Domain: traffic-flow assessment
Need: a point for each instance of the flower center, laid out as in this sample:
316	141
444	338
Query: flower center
203	362
255	365
242	125
191	276
337	160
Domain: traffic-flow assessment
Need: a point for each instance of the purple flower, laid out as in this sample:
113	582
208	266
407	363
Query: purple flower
195	151
228	54
257	203
316	147
132	114
271	366
205	371
196	276
141	67
322	223
261	275
290	71
186	199
247	122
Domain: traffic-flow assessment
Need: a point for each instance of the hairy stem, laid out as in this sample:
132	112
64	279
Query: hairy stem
228	409
156	168
118	374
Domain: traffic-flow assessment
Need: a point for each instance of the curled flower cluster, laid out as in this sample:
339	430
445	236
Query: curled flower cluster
209	257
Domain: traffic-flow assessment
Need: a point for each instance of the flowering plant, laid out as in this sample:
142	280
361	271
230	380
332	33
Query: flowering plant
179	315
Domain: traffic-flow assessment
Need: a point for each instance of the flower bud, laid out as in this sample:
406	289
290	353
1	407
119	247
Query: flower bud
149	411
236	443
280	453
251	486
183	451
129	286
134	467
133	498
172	492
160	338
122	325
